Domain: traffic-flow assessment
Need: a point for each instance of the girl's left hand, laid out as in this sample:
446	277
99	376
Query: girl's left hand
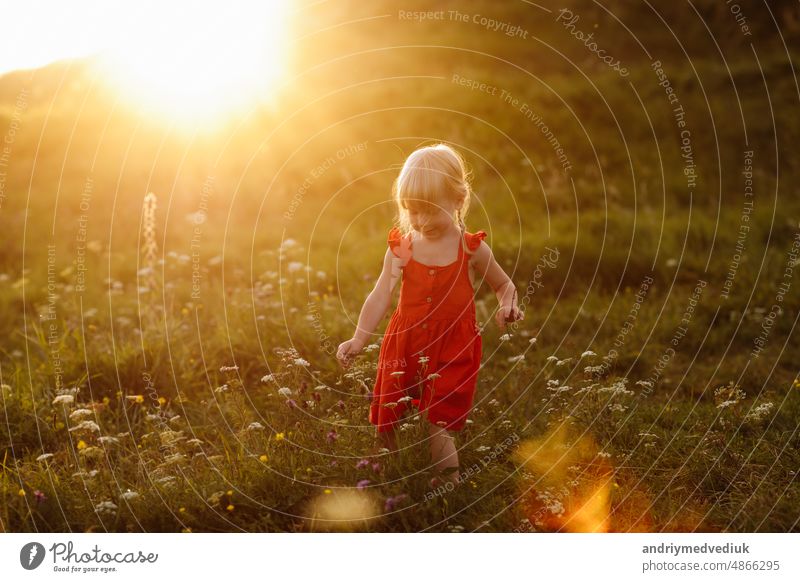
508	315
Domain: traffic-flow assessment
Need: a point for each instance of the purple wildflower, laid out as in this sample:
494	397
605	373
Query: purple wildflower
40	497
363	483
362	463
332	435
393	502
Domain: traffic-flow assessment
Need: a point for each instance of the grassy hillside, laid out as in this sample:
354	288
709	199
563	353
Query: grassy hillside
685	416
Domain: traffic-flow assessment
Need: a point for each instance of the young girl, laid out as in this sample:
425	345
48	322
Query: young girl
431	351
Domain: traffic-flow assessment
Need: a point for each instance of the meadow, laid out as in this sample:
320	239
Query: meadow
171	298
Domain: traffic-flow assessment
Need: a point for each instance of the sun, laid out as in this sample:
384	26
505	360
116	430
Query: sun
195	62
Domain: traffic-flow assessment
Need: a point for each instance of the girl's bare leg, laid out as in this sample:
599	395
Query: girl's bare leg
444	454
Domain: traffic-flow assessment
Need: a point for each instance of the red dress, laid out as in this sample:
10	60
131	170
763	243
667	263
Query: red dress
431	351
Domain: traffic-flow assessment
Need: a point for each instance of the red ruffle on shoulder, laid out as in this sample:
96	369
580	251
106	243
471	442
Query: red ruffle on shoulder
400	245
474	240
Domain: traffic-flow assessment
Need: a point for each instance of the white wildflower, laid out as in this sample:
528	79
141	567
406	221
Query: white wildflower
588	354
87	425
552	359
532	340
268	378
285	392
505	337
64	399
759	412
255	426
518	358
300	362
405	399
81	414
129	495
294	266
44	456
433	376
108	507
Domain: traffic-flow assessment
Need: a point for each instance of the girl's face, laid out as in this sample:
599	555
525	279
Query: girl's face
430	220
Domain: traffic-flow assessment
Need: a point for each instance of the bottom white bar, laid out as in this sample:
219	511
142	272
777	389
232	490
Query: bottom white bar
390	557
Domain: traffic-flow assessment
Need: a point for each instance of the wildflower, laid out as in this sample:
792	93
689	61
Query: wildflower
221	389
327	492
288	244
563	362
588	354
294	266
518	358
552	359
268	378
129	495
532	340
321	387
81	445
404	399
44	457
108	440
399	373
228	368
263	458
21	493
255	426
505	337
332	436
301	362
362	463
284	391
376	467
423	359
64	399
86	425
759	412
291	403
279	436
433	376
81	414
362	483
137	398
392	502
39	496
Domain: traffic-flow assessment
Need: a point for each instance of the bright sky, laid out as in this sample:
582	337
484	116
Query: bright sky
186	57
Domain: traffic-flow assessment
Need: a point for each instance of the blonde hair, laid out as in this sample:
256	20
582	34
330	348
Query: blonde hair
430	176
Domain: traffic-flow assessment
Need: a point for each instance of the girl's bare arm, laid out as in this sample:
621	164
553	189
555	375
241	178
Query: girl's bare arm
379	300
487	268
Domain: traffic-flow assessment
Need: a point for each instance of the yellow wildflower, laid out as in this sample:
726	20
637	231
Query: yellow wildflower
230	507
263	458
81	445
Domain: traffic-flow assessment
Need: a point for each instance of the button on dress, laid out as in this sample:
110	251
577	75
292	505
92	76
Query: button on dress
431	351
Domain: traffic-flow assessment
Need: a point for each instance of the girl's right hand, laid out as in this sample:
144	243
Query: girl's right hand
347	351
